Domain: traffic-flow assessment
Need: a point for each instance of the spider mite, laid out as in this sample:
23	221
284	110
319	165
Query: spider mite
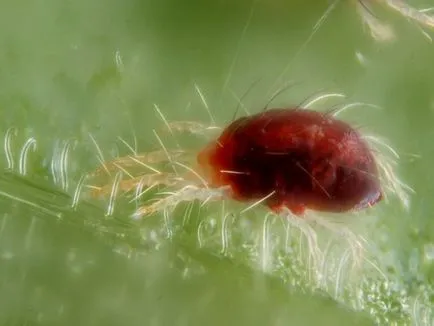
383	32
289	158
295	159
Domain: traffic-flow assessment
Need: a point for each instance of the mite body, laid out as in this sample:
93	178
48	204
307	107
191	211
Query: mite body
288	159
294	158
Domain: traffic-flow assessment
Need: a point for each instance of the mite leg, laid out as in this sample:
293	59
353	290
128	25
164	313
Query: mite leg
144	160
379	31
315	255
383	32
188	193
356	243
410	12
192	127
137	183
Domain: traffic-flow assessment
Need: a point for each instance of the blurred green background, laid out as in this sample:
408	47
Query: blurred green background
70	69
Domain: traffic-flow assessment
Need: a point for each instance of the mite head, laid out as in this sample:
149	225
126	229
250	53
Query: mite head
210	164
216	158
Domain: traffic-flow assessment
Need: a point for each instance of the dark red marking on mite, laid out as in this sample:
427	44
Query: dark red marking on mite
305	159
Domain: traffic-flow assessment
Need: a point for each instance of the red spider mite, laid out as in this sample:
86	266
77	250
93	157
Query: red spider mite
294	158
